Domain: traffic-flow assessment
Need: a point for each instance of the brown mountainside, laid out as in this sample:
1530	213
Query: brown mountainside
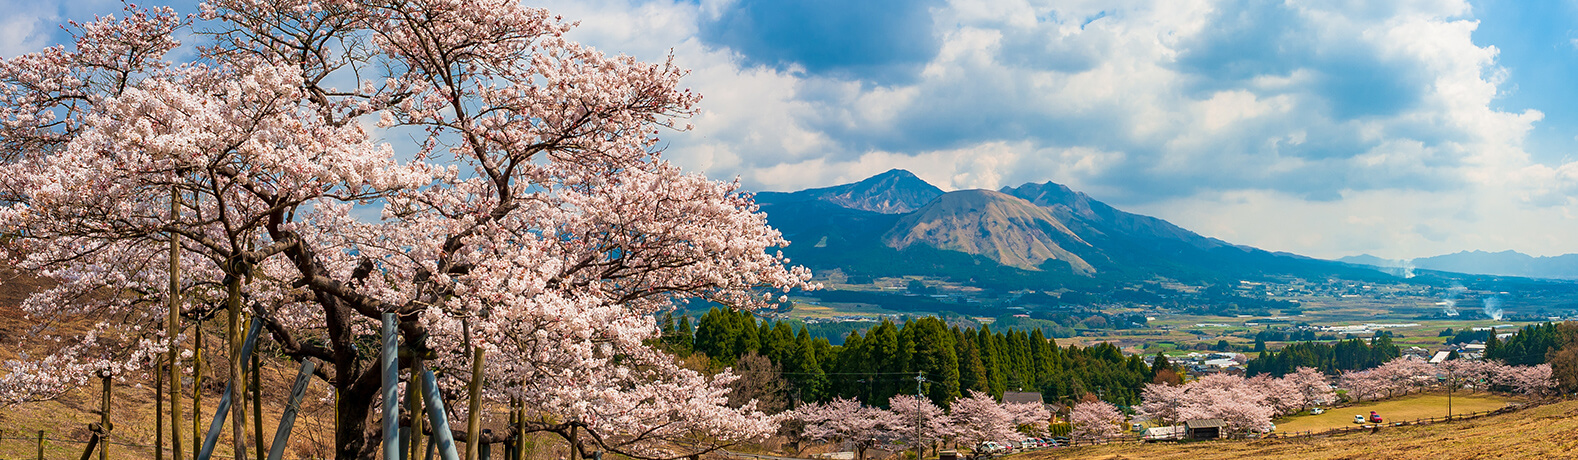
1005	228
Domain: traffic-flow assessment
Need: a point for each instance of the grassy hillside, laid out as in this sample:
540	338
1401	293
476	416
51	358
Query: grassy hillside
1541	432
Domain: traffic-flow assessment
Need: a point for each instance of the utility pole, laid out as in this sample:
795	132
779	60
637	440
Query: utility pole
919	379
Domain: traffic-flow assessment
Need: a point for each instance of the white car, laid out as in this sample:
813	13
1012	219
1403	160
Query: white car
1358	419
1317	411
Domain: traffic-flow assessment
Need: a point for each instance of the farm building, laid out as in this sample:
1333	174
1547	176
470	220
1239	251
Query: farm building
1210	428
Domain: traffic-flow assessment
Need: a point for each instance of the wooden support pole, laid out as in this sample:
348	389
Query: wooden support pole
40	444
93	442
158	412
520	430
217	425
104	415
173	329
413	397
238	382
474	409
287	420
197	389
575	447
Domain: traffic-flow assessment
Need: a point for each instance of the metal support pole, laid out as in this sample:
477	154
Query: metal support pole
443	439
484	450
218	424
405	442
287	420
257	402
391	375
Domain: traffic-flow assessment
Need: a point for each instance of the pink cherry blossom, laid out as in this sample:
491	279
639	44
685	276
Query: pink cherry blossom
1095	421
537	220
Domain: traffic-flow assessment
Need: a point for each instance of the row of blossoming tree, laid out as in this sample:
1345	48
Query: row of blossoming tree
534	218
1250	404
1409	374
967	421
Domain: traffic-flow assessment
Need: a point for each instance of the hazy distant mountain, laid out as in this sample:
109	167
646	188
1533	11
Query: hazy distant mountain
894	192
1004	228
1504	263
1032	235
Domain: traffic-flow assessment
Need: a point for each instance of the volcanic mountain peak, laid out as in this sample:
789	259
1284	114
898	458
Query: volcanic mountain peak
1005	228
894	192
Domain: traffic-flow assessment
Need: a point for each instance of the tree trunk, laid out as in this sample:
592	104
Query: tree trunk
350	434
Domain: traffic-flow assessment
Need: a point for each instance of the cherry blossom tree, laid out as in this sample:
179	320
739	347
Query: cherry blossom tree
1030	417
1162	402
1278	393
1363	385
847	420
1311	386
537	220
1242	405
1095	421
1528	380
908	410
978	418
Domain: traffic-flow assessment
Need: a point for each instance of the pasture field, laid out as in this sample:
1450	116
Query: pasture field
1407	408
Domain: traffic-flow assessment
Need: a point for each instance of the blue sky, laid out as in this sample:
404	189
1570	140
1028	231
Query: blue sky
1327	128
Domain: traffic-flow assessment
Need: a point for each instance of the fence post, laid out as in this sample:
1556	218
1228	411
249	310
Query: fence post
40	444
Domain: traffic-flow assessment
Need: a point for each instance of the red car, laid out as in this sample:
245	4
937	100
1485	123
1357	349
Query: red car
1374	417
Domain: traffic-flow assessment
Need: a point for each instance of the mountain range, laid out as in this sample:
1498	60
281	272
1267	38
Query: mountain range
1504	263
896	224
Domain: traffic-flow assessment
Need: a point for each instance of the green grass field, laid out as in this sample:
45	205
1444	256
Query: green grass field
1402	409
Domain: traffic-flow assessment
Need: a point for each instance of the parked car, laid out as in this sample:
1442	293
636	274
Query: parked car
988	447
1358	418
1317	411
1374	417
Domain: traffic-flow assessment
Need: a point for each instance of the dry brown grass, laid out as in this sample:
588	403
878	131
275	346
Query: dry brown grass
1549	432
